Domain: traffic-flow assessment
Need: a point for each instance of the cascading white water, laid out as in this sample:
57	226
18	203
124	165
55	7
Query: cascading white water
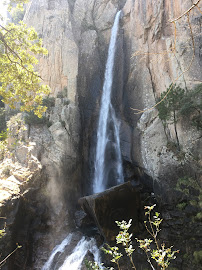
107	117
105	113
59	248
118	147
74	261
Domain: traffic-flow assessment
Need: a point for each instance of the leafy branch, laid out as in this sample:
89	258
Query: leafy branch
20	83
160	254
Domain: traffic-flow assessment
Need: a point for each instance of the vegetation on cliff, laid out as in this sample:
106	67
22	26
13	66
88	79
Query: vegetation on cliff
156	253
20	83
181	103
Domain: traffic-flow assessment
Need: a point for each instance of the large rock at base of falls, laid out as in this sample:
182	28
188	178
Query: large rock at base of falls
115	204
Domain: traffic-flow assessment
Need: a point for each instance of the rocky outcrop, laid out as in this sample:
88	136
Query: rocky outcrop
40	183
115	204
52	21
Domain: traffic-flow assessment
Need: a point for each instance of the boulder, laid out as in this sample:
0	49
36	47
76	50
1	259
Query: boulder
118	203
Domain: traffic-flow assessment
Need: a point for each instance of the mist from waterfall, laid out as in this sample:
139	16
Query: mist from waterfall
107	114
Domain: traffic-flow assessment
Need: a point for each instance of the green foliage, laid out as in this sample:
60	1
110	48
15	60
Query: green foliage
179	102
32	119
65	91
3	149
17	11
172	103
60	94
2	233
6	171
2	120
198	216
160	254
66	102
198	256
181	206
49	102
18	15
92	266
192	106
114	252
186	182
20	83
3	135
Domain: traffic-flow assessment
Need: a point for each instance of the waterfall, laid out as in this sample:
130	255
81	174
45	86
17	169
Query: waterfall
107	114
74	261
107	138
59	248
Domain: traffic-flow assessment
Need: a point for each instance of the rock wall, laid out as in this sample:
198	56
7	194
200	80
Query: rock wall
150	35
149	58
76	34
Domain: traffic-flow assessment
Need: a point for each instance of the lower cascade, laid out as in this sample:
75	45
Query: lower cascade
58	249
75	259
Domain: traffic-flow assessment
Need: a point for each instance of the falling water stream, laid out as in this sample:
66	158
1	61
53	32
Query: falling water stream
107	117
107	114
58	249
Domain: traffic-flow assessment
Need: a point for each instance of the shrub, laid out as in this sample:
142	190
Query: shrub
65	91
32	119
198	256
60	94
2	119
160	254
6	171
49	102
67	102
3	135
176	103
2	149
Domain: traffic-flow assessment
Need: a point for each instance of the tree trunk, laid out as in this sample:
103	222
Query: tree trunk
175	127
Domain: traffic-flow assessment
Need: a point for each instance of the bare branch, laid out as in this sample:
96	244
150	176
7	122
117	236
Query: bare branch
186	12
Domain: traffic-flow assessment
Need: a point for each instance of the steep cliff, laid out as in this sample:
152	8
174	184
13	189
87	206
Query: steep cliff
76	34
150	36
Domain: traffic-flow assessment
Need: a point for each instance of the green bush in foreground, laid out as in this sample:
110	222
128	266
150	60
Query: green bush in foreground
159	254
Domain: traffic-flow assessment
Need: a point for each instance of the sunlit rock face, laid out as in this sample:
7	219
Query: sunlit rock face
52	21
147	31
77	35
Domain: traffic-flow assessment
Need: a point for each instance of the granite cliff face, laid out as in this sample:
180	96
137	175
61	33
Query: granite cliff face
148	32
76	34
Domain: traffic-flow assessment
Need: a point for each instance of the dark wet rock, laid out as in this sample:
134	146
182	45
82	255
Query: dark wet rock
79	218
115	204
